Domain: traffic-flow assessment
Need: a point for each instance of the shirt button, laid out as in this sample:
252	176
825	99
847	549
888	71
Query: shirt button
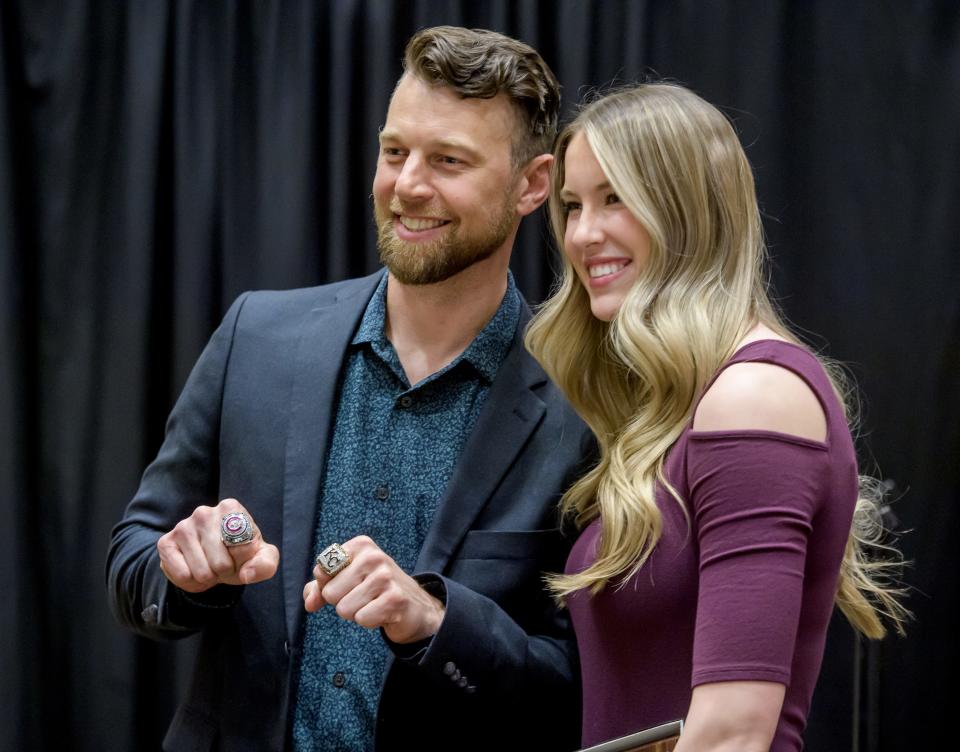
382	492
339	679
406	400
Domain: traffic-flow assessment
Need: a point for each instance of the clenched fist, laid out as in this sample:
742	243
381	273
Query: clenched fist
373	591
194	558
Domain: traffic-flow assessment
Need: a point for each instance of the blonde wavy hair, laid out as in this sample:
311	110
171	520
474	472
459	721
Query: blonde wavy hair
676	163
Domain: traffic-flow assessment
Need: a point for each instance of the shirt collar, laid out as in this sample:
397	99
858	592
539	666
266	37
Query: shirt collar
371	325
488	348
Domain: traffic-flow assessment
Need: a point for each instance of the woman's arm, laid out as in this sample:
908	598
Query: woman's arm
742	716
734	716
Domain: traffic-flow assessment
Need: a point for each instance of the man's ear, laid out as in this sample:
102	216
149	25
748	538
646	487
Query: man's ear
533	184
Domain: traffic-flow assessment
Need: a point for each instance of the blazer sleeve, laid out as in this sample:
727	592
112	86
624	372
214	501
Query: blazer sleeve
182	477
515	650
480	647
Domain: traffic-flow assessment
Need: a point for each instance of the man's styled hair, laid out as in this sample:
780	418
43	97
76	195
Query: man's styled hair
482	64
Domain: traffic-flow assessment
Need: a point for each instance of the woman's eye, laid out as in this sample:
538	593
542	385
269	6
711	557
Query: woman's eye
613	198
569	206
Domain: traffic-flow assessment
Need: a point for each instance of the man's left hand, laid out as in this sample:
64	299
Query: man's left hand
374	592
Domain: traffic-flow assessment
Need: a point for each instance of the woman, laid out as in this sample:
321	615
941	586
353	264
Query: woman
722	521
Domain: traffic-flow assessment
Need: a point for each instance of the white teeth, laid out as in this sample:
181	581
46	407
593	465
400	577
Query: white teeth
602	270
413	223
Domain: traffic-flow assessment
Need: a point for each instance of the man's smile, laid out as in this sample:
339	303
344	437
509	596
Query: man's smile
418	224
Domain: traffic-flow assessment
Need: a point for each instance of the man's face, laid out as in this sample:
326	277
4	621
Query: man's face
444	193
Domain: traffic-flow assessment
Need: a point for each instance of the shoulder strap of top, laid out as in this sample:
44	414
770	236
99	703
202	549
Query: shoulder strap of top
795	358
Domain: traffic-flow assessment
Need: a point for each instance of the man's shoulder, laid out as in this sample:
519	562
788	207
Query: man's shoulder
331	292
270	307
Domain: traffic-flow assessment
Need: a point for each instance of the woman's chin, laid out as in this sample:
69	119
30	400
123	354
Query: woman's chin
604	310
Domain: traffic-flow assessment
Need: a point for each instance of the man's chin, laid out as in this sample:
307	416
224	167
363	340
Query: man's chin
429	263
419	276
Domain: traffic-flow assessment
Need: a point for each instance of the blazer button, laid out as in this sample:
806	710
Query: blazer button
470	690
406	400
149	614
462	683
449	668
339	679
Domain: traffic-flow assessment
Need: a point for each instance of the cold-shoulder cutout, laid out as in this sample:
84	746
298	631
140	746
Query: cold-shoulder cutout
761	396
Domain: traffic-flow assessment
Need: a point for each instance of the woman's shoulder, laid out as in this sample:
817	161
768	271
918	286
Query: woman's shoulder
763	393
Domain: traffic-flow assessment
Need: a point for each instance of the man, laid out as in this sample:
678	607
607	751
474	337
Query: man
388	459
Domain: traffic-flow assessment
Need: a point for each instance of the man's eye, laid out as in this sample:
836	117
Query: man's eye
449	160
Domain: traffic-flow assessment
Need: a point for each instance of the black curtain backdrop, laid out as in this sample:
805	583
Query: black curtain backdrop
158	158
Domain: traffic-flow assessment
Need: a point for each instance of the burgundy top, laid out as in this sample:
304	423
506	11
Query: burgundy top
745	591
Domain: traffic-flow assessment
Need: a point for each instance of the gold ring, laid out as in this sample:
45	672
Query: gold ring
333	559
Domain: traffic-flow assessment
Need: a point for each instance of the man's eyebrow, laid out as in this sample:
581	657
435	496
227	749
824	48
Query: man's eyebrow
454	144
440	144
386	134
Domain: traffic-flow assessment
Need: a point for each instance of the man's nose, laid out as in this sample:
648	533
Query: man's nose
413	182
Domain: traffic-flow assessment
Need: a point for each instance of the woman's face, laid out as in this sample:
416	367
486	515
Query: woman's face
605	243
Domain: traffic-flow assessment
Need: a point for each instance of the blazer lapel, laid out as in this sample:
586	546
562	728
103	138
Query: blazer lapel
327	332
511	412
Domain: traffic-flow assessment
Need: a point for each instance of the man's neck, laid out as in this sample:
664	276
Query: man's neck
431	325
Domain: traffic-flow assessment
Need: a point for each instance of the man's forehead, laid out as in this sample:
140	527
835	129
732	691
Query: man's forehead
419	102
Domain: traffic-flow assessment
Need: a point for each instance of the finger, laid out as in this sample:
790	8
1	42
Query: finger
320	576
346	577
229	505
365	597
343	582
187	538
239	554
261	566
379	612
377	597
357	545
312	600
173	565
219	556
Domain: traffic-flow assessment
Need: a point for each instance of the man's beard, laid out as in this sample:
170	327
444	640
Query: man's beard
436	261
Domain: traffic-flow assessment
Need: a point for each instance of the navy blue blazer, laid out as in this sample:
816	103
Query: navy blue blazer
254	422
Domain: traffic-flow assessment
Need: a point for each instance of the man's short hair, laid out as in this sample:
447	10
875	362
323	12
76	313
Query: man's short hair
482	64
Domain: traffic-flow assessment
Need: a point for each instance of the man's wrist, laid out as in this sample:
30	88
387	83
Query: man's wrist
436	592
433	584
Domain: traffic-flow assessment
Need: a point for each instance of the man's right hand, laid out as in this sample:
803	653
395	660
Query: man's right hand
194	558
